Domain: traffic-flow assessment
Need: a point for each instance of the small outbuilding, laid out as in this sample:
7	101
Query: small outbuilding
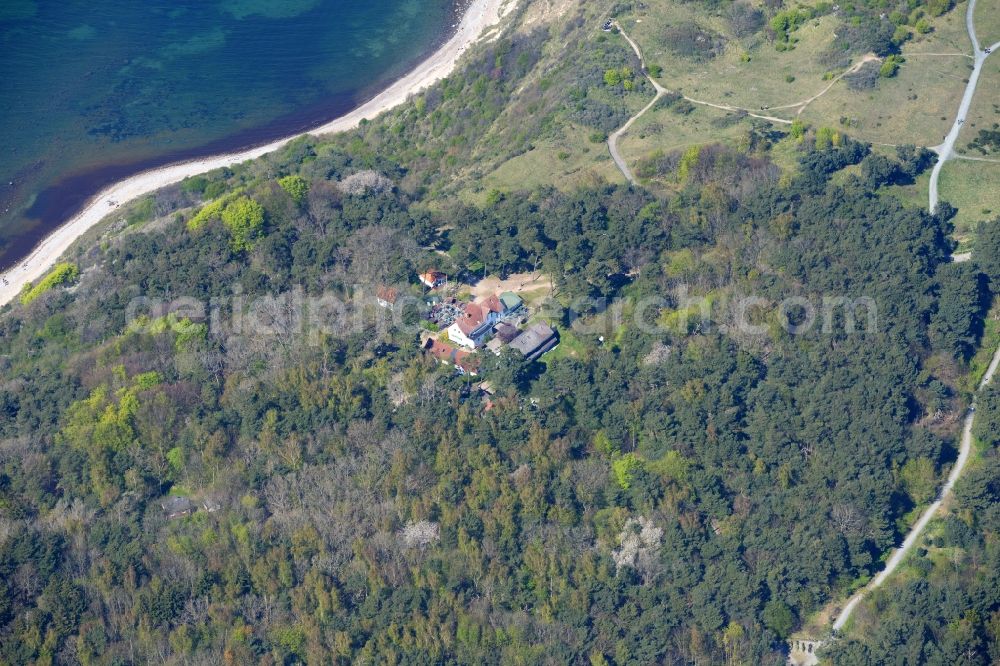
506	332
511	302
387	297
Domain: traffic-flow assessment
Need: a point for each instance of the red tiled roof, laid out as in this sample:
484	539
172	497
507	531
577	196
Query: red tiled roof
433	275
387	294
476	313
439	350
493	304
472	317
443	352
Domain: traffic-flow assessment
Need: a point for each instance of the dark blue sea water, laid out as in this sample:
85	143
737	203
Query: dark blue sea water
92	90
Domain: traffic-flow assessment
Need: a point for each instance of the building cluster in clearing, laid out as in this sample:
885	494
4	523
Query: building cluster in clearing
464	328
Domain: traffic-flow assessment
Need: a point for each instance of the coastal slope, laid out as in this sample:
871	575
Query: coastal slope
479	21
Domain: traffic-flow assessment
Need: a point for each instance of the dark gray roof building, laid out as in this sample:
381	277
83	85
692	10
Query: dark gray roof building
505	332
535	341
176	506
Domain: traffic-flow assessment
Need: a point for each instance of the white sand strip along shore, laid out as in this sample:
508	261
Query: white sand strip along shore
479	18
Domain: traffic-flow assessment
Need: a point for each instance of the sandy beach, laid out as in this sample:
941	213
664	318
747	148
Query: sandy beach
477	22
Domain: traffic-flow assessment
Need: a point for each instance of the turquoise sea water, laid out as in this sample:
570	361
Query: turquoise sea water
92	90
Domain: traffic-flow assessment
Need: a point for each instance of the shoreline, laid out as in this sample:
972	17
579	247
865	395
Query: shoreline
477	21
59	200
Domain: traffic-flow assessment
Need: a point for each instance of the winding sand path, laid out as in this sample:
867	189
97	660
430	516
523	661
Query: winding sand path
616	136
614	139
918	529
801	106
973	158
479	21
946	150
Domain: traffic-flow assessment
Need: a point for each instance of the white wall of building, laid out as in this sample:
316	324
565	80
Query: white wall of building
457	336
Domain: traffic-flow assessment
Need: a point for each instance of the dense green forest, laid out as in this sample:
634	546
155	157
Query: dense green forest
945	607
682	490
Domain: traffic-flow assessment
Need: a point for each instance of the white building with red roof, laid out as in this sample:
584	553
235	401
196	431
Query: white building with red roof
476	322
433	278
465	362
386	297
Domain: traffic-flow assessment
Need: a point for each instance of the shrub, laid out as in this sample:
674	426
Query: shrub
141	212
744	19
688	160
988	260
856	37
207	212
194	185
658	164
988	140
682	107
691	41
878	170
366	182
215	189
920	479
210	211
676	103
623	468
786	22
865	78
622	76
798	130
938	7
494	197
244	218
63	273
913	161
599	115
779	618
297	187
900	35
890	66
827	137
